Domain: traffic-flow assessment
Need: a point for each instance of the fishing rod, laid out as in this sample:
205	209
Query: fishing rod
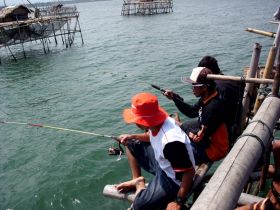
175	96
158	88
111	151
60	128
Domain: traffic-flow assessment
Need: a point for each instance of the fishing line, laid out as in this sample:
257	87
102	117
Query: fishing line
111	151
60	128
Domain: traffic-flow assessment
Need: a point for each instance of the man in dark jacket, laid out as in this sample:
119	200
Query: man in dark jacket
231	94
208	133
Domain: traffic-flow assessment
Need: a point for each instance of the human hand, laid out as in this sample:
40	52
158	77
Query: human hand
199	135
196	137
169	94
173	206
124	138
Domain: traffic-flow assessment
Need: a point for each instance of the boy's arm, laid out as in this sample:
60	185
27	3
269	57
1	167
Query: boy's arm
138	136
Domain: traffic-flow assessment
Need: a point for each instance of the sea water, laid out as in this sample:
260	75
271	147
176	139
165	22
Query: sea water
86	87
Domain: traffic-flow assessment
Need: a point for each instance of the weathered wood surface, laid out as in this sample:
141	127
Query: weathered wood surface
276	83
224	188
239	79
246	199
261	32
249	88
268	69
111	191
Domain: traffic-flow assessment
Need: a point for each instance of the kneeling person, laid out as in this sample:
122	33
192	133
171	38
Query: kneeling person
164	151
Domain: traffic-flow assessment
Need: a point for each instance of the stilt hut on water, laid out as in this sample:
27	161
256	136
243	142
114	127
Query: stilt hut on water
20	24
146	7
14	13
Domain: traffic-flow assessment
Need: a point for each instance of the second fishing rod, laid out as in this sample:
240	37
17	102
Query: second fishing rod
163	91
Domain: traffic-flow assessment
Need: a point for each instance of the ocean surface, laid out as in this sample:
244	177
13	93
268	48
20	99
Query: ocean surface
86	87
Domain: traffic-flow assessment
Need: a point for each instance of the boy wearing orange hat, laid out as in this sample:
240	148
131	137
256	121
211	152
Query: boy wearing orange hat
164	151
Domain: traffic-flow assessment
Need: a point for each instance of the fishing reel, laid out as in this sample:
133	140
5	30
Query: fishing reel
116	151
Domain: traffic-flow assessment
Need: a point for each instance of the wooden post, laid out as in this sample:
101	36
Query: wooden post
80	31
226	185
264	171
261	32
268	68
15	59
54	34
68	33
245	199
238	79
24	55
249	87
276	83
266	74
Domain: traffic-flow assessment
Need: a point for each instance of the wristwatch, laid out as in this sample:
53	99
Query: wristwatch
180	200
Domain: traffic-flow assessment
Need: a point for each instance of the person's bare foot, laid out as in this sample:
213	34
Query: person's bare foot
130	185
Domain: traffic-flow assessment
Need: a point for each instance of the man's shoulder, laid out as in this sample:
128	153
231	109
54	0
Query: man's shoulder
231	85
229	90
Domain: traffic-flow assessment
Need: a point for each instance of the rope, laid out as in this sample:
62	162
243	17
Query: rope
257	138
264	124
264	90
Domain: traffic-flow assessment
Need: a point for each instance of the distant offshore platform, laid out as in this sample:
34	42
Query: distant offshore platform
21	24
146	7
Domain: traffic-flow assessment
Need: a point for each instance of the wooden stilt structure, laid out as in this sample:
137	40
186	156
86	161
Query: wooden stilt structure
146	7
50	23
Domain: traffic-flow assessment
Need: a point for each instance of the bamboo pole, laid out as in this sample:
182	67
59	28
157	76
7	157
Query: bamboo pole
276	83
268	68
246	199
226	185
239	79
266	74
247	99
261	32
264	171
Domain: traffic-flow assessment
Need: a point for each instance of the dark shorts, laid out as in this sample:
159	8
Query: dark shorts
199	154
162	189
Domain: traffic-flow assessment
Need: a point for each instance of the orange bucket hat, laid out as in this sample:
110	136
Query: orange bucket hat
145	111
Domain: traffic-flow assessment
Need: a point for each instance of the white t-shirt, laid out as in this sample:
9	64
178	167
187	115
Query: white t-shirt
167	146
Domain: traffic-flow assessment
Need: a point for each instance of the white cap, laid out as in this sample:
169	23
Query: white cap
198	75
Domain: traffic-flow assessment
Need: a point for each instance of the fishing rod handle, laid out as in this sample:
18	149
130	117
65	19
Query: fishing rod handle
158	88
175	95
118	140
